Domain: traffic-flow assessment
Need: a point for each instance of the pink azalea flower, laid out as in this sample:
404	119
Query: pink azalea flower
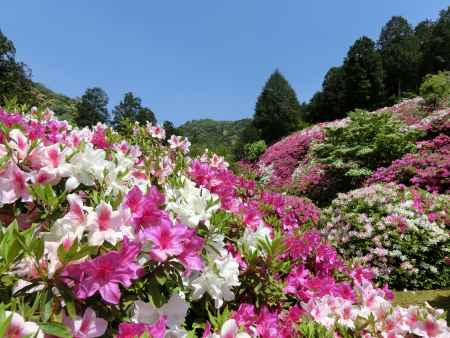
132	330
13	184
19	143
19	328
167	240
89	326
104	273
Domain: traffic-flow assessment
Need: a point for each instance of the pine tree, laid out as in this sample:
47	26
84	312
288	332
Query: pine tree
399	49
277	109
92	107
436	55
363	76
131	108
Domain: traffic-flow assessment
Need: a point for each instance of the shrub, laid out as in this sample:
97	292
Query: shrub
436	89
399	231
111	235
283	156
254	150
429	168
367	142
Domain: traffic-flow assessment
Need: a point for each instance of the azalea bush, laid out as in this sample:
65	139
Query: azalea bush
281	159
429	168
124	235
367	142
436	89
401	232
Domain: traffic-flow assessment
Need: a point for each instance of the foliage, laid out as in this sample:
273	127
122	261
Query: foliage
277	109
63	106
254	150
15	77
225	138
131	109
363	76
399	49
436	50
436	89
367	142
399	231
170	128
92	107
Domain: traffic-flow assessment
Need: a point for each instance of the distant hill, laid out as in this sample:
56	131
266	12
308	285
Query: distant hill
218	136
62	105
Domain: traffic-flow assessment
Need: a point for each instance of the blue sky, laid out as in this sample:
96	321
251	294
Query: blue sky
198	58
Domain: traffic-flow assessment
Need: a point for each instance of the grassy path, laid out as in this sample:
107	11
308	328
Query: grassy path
436	298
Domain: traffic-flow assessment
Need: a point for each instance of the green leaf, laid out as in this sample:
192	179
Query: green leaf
55	329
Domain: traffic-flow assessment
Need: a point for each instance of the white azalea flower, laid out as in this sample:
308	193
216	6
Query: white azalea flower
190	204
175	310
85	167
217	280
251	238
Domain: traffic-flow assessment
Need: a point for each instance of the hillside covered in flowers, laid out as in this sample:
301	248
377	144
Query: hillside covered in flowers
125	235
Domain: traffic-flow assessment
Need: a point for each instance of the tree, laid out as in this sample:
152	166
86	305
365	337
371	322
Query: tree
399	49
423	33
92	107
15	77
131	108
363	76
169	128
277	109
437	51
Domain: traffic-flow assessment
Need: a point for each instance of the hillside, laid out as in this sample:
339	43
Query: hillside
62	105
219	136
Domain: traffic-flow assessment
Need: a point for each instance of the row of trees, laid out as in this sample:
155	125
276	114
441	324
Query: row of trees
373	74
93	107
378	73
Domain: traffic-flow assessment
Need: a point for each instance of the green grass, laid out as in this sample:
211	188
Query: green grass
436	298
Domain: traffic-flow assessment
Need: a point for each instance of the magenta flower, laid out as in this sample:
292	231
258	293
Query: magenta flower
167	240
132	330
104	273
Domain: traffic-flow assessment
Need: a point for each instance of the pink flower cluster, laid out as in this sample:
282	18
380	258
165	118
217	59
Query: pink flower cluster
292	211
285	154
429	168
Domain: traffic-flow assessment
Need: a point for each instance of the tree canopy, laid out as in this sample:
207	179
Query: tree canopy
399	49
131	108
15	77
363	76
92	107
277	109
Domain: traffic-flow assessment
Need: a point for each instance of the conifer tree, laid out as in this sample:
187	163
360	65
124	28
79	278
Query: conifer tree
277	109
399	49
363	76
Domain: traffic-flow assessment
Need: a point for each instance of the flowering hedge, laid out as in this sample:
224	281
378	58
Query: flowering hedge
104	235
402	233
429	168
284	155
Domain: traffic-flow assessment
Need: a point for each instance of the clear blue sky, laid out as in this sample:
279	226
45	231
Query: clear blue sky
190	59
